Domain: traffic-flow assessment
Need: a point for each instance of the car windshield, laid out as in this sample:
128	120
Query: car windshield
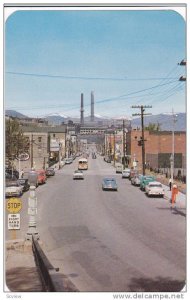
155	185
110	181
8	184
22	180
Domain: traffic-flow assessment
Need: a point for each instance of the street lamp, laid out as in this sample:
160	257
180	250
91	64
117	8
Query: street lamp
32	206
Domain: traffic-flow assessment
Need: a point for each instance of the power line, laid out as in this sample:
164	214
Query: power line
84	77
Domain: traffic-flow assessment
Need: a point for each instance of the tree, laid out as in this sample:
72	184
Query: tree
153	127
15	141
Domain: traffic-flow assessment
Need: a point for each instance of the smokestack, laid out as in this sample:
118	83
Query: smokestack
82	110
92	107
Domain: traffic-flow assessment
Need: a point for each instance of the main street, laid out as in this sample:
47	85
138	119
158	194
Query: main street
109	241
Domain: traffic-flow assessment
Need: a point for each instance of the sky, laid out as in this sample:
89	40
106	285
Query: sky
126	57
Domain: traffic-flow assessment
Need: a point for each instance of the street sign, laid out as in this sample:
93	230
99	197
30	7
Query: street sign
13	221
23	156
14	205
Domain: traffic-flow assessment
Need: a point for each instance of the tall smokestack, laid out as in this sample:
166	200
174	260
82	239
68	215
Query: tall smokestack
92	107
82	110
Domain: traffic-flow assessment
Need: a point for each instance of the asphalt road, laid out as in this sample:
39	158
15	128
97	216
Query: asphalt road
109	241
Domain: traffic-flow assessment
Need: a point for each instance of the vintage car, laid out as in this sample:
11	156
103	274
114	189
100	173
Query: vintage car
50	172
126	173
109	184
136	179
41	176
24	183
145	180
154	188
78	174
13	188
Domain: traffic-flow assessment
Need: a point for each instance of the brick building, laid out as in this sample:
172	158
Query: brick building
158	149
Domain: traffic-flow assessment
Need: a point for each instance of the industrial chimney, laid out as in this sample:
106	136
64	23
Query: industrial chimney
82	111
92	107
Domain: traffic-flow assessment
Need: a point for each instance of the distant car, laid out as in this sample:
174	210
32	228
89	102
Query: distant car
78	174
133	172
68	160
24	183
13	188
145	180
109	184
154	188
126	173
107	159
93	155
50	172
136	179
119	168
41	176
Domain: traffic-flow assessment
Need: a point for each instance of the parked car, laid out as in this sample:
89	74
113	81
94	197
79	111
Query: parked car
13	188
68	160
41	176
136	179
107	159
154	188
50	172
126	173
119	168
109	184
145	180
133	172
24	183
12	172
78	174
10	176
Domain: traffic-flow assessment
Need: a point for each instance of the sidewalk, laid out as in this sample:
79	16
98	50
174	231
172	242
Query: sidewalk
21	272
180	199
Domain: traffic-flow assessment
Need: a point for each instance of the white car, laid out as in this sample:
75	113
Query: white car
154	188
136	179
68	160
78	174
119	168
126	173
13	188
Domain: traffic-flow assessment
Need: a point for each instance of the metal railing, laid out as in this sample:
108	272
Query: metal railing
50	276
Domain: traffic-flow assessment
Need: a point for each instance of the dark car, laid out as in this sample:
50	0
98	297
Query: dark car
50	172
109	184
12	172
24	182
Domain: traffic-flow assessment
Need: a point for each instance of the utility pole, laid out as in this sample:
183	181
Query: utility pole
114	148
142	141
32	156
123	144
172	158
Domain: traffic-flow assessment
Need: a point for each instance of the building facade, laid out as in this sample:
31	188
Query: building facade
47	145
158	150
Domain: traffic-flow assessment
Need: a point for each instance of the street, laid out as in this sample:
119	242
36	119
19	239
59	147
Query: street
107	240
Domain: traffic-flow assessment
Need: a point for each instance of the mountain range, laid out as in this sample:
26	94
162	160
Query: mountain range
165	121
